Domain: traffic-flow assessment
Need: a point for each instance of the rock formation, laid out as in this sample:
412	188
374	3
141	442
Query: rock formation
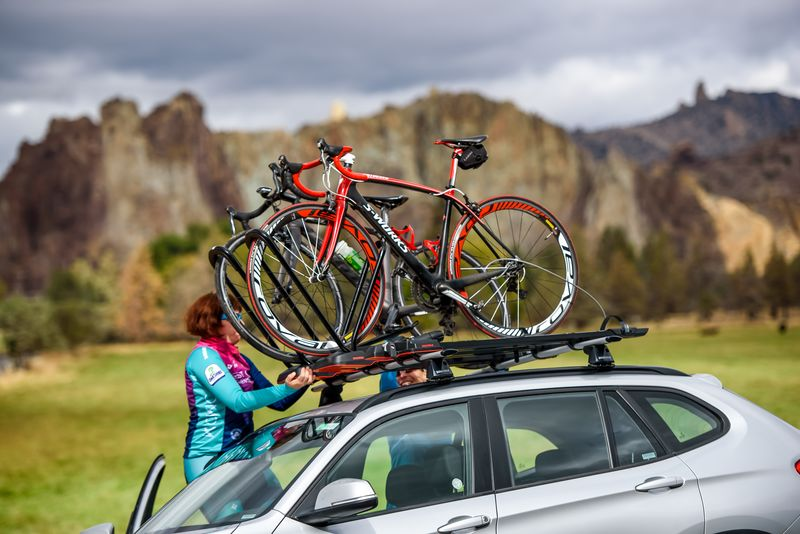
118	184
713	127
115	185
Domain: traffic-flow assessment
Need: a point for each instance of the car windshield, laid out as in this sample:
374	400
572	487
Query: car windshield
245	481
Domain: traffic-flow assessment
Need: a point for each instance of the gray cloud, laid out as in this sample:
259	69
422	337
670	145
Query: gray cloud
280	64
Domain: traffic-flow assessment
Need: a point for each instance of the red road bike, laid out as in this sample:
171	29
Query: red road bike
506	262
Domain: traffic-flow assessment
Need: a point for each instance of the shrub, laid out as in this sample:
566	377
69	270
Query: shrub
28	326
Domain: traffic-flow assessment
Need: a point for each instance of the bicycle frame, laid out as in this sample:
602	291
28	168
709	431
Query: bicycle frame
347	193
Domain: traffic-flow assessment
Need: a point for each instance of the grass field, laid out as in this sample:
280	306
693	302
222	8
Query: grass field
78	432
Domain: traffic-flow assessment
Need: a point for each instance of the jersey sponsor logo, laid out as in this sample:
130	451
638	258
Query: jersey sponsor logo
214	373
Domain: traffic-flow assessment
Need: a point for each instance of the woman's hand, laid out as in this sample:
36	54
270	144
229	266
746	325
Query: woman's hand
303	378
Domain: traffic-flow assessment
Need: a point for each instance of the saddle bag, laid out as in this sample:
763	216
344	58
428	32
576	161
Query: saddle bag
473	157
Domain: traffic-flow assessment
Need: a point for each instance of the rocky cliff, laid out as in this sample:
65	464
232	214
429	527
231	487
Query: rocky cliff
711	127
527	156
115	185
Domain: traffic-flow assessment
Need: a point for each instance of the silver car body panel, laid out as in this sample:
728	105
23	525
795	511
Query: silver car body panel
745	479
606	502
265	524
423	520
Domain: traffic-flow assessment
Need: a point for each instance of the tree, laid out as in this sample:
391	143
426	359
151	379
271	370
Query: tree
623	289
83	299
617	281
141	316
706	278
167	247
663	275
746	290
614	239
777	283
794	279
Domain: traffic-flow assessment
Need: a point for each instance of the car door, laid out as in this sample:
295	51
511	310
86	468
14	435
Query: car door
147	495
577	461
429	468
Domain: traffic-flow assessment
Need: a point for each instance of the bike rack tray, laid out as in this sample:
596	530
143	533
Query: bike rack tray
485	355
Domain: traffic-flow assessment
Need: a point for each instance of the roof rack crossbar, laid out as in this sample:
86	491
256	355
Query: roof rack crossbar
485	356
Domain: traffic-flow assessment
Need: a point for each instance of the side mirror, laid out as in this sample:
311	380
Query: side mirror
341	498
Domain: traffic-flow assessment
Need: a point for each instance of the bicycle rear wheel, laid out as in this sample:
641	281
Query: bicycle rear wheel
297	233
534	261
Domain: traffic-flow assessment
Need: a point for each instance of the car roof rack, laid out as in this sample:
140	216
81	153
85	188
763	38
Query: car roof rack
430	351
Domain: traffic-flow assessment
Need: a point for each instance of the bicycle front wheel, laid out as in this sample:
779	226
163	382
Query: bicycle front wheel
307	312
230	281
532	262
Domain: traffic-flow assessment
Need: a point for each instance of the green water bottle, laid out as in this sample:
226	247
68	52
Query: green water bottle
346	252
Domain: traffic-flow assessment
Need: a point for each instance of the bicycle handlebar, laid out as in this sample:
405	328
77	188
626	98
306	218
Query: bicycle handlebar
332	151
290	178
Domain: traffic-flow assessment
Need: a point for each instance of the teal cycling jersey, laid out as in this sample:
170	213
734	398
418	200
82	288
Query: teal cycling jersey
223	387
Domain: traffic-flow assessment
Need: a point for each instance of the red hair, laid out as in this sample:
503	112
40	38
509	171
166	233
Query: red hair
203	316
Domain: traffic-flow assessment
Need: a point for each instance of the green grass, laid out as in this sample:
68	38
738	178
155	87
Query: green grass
78	437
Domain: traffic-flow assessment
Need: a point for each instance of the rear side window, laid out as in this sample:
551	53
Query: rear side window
553	436
680	420
632	443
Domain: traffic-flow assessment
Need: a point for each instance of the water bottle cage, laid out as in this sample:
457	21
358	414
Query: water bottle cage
406	235
432	246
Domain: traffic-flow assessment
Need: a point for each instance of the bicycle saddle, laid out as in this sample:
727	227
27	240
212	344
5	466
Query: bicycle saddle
387	202
462	142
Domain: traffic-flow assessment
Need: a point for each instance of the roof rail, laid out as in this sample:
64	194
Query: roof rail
476	378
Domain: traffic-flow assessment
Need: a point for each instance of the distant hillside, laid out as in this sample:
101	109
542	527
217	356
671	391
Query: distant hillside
710	127
117	184
753	196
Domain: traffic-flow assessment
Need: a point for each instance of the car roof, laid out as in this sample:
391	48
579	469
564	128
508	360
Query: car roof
337	408
360	404
489	377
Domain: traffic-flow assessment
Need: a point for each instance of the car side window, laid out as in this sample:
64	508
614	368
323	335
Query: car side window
631	443
680	420
412	460
552	436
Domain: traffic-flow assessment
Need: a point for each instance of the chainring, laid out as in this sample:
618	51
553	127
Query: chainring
423	297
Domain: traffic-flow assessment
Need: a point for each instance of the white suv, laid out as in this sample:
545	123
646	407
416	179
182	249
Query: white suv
626	449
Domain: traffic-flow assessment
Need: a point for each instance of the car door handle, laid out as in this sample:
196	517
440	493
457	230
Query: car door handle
463	522
657	483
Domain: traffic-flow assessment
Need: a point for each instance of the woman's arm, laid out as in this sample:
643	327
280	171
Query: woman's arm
208	368
262	382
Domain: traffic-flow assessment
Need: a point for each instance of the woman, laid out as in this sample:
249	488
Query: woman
223	387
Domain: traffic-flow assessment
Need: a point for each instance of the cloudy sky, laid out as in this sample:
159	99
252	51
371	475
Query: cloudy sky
267	64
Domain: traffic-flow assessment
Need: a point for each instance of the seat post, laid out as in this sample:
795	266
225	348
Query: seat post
454	167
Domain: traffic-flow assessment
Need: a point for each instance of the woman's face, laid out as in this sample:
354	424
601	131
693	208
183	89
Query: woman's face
228	332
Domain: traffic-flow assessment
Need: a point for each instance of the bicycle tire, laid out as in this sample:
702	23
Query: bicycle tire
541	281
289	318
230	282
